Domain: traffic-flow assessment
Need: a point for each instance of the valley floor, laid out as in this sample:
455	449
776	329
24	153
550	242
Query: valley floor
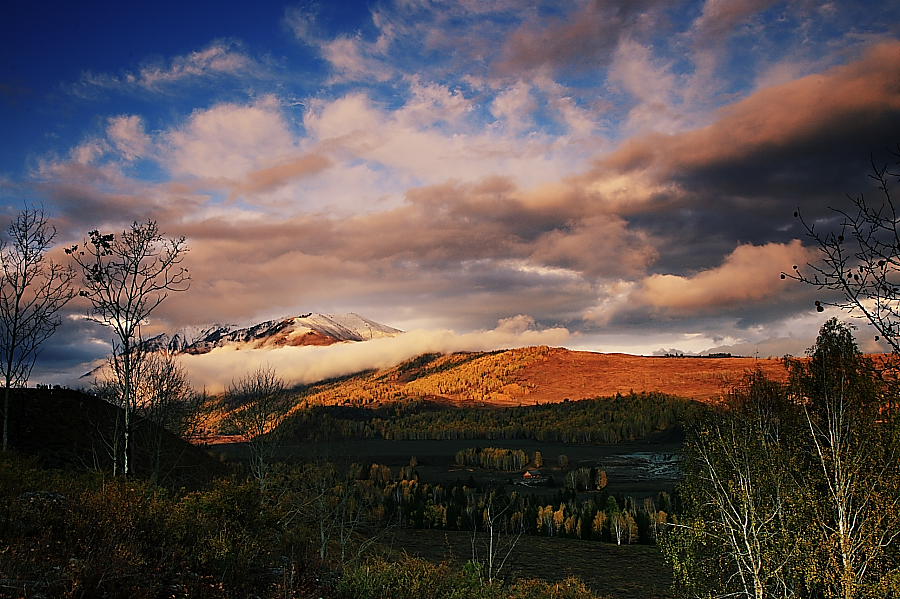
625	572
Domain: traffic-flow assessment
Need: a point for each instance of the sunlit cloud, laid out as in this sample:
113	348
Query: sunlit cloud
299	365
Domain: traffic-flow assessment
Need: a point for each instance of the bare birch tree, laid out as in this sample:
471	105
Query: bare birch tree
126	278
500	535
257	404
33	289
736	535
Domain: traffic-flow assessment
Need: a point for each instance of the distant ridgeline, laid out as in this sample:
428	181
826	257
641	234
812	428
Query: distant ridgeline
600	420
717	355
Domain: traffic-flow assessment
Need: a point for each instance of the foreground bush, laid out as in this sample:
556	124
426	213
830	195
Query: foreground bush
82	535
74	535
414	578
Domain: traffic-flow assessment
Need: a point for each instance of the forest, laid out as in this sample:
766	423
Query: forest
601	420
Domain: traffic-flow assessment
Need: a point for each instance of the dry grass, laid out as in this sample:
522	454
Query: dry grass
529	376
623	572
542	375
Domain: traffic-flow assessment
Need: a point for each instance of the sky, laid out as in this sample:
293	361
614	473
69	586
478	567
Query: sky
623	172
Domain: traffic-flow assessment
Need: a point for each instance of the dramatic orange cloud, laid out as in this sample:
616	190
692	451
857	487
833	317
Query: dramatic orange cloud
748	275
814	108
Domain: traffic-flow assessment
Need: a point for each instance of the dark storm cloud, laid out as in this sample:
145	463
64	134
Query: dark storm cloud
72	351
803	144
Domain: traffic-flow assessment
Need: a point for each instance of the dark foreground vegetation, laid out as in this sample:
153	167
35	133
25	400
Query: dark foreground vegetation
187	525
88	535
620	571
69	429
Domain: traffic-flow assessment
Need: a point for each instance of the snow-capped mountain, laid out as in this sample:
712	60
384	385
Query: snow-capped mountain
305	329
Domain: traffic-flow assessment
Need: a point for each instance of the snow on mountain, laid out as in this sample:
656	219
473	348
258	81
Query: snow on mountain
305	329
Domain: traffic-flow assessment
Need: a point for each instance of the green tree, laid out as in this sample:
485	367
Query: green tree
852	450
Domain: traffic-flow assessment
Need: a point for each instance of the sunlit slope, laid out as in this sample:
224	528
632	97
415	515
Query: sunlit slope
536	375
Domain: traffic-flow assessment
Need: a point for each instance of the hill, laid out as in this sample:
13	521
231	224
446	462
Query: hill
64	428
536	375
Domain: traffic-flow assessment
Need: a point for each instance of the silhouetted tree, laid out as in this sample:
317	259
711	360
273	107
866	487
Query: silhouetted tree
33	289
126	278
861	259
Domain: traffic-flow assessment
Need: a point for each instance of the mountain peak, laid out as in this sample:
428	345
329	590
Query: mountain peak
301	329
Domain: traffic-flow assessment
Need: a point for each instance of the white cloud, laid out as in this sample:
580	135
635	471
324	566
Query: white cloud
352	60
299	365
218	59
651	82
430	140
515	106
228	141
301	21
128	136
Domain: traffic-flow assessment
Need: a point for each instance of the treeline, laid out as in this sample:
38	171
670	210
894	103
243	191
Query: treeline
600	420
493	458
460	376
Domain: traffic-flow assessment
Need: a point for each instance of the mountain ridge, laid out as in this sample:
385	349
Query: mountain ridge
304	329
310	328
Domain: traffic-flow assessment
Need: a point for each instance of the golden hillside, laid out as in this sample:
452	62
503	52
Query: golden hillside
536	375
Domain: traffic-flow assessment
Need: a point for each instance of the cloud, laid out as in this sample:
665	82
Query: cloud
441	244
229	141
515	106
302	22
719	18
750	274
353	59
273	177
863	95
584	39
128	136
650	82
221	58
802	144
300	365
430	140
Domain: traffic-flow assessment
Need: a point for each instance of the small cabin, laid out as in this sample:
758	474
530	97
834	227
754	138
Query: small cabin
532	474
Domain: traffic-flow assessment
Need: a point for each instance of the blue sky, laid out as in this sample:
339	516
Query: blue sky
623	172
